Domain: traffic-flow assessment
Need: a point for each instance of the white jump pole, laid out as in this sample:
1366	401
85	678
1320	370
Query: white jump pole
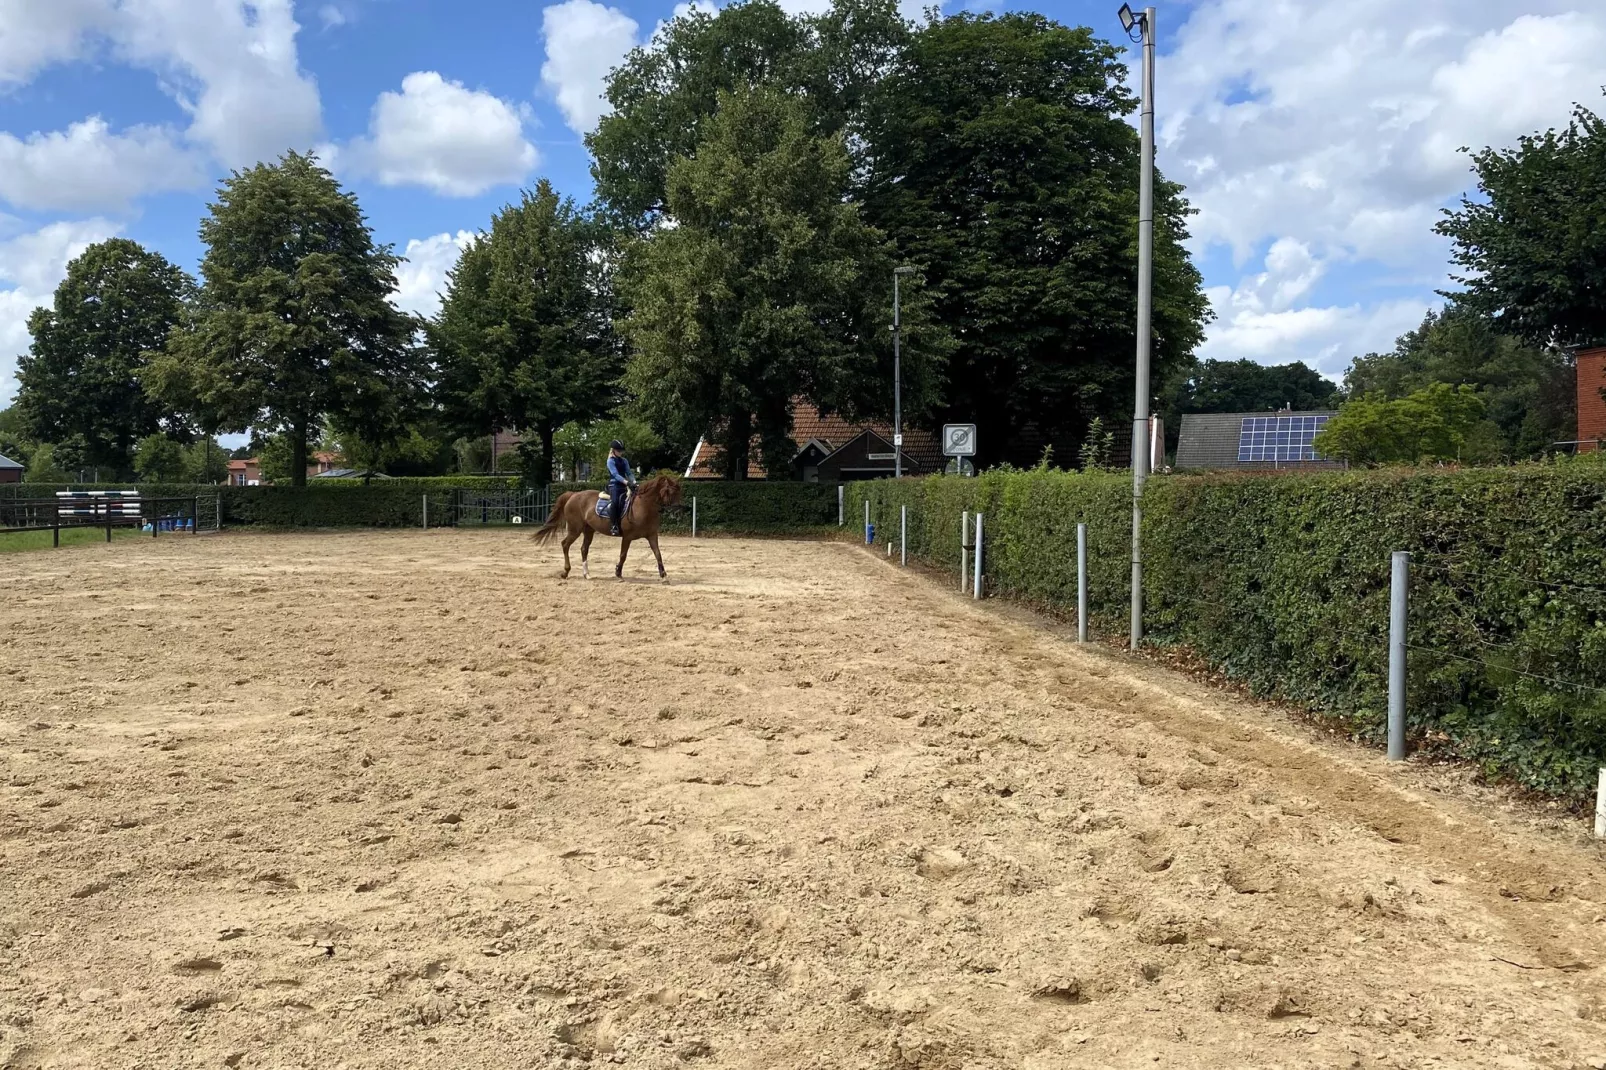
903	535
1081	583
964	555
978	556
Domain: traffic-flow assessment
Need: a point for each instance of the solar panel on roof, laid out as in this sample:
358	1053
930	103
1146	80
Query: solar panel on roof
1284	439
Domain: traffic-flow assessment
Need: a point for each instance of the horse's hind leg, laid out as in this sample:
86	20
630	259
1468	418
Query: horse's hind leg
585	552
624	551
568	538
652	540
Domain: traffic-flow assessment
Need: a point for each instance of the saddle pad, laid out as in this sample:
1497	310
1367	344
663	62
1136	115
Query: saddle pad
603	501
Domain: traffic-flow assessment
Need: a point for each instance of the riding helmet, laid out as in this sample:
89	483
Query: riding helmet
617	445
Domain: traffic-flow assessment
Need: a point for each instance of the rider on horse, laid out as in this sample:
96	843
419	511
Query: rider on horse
619	478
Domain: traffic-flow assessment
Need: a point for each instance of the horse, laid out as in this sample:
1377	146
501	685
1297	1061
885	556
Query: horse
576	512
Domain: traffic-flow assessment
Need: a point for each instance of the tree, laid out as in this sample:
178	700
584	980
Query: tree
524	338
80	380
43	468
576	444
15	442
1533	247
424	450
294	321
664	94
159	459
1432	424
768	287
1529	391
999	159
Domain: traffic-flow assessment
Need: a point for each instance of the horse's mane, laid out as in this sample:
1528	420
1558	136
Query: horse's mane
665	489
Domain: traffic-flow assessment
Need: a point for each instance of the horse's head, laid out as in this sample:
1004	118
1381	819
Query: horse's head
664	489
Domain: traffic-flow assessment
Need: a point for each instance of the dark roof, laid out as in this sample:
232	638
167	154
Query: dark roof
347	473
1210	440
7	462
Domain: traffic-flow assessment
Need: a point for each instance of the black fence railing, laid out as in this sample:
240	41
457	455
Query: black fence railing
67	511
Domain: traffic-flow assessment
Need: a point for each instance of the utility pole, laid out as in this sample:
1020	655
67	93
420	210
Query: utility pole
1140	408
897	376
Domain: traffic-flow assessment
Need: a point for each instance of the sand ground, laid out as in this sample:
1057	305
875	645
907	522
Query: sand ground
409	800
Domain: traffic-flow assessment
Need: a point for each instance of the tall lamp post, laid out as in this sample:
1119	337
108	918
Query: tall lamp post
897	375
1140	409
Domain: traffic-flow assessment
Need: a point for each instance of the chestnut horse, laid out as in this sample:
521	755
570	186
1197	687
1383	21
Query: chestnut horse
576	512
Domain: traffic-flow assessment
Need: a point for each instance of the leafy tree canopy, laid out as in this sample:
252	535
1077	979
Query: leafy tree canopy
999	159
1529	390
1532	245
294	321
577	444
768	287
80	380
524	339
1432	424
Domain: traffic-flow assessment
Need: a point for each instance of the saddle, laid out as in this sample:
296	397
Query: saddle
604	500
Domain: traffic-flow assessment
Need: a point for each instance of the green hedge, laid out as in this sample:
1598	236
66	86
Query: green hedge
735	508
1283	582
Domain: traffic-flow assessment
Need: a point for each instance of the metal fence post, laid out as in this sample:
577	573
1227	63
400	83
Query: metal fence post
1081	583
426	512
1600	807
694	516
977	593
841	517
964	542
903	535
867	520
219	500
1399	585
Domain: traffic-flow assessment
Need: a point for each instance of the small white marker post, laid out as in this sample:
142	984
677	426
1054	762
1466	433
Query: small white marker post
1600	808
964	555
1081	583
426	512
694	516
903	535
840	518
978	556
867	521
1399	586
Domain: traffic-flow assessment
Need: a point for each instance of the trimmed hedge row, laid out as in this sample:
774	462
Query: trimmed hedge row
735	508
1283	582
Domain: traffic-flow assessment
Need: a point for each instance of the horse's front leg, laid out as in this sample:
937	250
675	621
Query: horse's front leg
624	551
585	552
652	540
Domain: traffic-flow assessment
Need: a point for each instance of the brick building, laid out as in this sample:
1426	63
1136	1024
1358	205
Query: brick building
1591	405
832	450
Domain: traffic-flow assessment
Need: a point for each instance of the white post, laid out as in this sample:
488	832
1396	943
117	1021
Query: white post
1399	585
1081	583
840	518
1600	808
964	555
977	593
426	512
1140	412
867	521
694	516
219	500
903	535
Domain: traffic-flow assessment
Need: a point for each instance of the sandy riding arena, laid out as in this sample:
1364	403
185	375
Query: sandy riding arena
409	800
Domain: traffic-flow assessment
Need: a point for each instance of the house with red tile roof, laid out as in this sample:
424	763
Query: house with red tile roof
831	449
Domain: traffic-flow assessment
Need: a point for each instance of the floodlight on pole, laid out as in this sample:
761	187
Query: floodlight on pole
1141	446
897	375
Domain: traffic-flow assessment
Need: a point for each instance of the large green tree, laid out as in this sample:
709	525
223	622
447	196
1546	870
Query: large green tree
1528	390
79	382
768	287
524	339
998	157
294	322
1433	424
664	93
1533	245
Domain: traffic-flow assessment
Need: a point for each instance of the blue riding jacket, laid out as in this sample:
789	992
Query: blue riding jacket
618	473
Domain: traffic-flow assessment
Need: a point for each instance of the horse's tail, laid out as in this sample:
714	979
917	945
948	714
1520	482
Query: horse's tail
554	521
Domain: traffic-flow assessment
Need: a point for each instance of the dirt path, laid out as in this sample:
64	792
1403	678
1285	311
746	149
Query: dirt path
406	800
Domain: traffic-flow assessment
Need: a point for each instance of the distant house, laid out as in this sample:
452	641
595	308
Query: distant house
832	450
10	471
245	473
1251	440
324	461
1591	380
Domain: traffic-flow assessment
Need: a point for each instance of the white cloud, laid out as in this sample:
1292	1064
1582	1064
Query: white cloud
1335	129
37	33
34	263
89	168
437	134
584	41
419	282
333	17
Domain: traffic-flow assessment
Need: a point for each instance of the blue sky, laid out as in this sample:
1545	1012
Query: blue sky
1319	140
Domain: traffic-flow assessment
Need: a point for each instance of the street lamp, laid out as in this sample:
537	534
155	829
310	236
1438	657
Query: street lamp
897	375
1140	408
